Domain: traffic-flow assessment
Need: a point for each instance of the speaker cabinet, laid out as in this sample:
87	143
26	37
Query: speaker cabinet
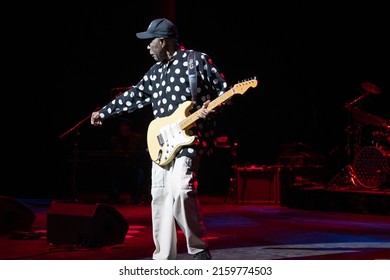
14	216
257	185
89	225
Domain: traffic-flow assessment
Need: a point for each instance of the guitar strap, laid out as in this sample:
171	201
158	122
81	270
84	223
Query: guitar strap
192	74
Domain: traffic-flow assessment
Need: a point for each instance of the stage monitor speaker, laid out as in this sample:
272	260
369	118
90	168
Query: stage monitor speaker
14	216
88	225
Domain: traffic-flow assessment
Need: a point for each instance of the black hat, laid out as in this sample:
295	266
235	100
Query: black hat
160	27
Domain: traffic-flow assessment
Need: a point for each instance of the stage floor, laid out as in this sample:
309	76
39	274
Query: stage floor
235	232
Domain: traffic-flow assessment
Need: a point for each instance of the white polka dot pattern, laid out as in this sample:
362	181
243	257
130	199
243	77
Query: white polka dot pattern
166	85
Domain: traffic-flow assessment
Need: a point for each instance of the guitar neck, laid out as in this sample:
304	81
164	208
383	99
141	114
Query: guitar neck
189	121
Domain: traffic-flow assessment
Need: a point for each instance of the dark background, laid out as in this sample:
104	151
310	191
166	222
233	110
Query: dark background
309	58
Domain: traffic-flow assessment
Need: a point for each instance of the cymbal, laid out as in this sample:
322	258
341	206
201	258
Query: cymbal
370	88
366	118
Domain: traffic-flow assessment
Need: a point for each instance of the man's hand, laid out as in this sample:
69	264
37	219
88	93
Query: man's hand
95	119
204	111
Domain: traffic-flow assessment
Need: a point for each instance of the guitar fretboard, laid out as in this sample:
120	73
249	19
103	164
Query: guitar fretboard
238	88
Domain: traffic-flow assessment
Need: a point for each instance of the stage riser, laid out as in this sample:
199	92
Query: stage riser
357	201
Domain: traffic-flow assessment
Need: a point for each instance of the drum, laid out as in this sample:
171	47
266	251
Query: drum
372	166
380	138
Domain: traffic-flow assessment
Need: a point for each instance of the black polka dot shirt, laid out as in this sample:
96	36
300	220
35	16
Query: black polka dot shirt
166	85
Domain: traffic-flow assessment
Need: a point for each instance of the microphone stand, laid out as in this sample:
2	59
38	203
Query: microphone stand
348	105
75	157
75	151
353	132
63	135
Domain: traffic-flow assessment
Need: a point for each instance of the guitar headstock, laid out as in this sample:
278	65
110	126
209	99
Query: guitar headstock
244	85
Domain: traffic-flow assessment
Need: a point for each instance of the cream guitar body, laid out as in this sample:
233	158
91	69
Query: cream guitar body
168	135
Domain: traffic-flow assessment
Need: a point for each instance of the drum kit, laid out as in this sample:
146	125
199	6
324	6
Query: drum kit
371	163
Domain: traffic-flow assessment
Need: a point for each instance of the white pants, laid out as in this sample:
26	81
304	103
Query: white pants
174	199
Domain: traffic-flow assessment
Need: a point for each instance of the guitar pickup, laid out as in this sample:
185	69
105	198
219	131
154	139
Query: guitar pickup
160	140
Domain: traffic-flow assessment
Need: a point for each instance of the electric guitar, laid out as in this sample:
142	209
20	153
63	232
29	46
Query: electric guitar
167	135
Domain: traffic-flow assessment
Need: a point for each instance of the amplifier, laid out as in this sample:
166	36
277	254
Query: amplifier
257	185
